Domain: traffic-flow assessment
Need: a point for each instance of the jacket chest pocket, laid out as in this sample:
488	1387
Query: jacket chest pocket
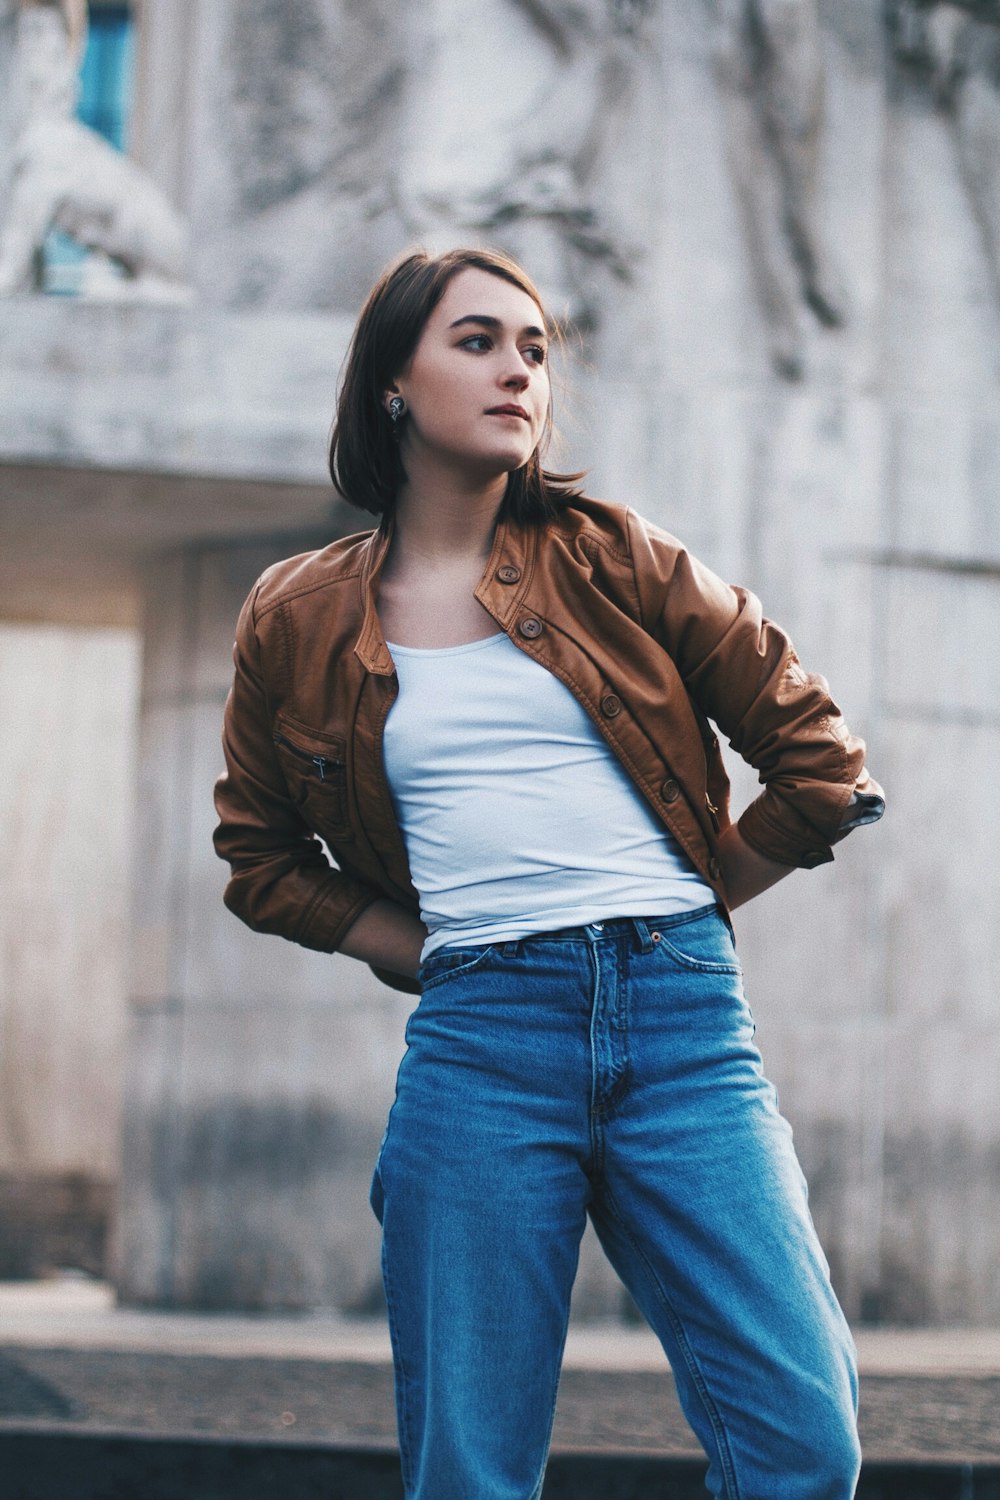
316	775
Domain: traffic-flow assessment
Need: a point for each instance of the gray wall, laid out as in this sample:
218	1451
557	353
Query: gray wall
858	500
67	760
248	1120
68	755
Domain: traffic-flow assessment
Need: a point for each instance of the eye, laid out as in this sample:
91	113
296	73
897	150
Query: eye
479	343
536	353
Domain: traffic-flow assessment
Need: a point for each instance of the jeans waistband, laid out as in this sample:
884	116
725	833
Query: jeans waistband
639	928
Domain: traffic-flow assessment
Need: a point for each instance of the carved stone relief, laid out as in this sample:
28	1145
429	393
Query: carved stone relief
301	151
66	176
8	40
770	70
537	181
951	48
282	100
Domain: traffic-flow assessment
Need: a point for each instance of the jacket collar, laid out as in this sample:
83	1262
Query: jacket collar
513	553
370	647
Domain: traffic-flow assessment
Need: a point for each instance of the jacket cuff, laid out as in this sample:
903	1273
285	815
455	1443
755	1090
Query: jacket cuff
336	907
784	836
867	805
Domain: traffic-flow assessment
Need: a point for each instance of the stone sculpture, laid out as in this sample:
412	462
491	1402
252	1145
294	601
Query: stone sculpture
66	176
770	71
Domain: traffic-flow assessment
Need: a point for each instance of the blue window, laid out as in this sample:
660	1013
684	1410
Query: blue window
106	75
104	104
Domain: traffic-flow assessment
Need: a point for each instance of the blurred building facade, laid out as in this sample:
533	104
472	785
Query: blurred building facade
775	229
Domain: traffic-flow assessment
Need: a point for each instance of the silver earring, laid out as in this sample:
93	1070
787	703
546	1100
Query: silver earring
396	408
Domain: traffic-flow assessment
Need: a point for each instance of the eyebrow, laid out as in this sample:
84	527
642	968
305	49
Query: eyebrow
487	322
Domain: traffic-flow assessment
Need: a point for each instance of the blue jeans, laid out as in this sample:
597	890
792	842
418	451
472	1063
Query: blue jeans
608	1070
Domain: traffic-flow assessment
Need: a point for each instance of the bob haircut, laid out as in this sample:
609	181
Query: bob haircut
365	461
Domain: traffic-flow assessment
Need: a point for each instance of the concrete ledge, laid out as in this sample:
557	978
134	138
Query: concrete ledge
76	1370
348	1404
71	1311
193	390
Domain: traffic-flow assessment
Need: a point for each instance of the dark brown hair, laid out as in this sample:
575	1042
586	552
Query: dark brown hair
365	461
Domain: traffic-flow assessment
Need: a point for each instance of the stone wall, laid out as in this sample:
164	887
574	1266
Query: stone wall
816	412
250	1098
67	759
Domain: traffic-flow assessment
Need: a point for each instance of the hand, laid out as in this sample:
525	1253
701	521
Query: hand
388	936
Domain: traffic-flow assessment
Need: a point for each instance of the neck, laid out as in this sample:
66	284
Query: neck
445	517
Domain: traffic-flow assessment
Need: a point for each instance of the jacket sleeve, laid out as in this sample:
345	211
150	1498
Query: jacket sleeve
742	671
281	881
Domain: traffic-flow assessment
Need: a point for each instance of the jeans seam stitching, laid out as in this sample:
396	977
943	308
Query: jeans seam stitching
712	1411
405	1456
597	1114
552	1411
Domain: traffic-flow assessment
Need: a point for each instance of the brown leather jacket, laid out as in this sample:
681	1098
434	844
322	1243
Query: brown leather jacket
651	643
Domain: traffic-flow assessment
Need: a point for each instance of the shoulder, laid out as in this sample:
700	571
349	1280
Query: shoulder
671	588
615	527
308	573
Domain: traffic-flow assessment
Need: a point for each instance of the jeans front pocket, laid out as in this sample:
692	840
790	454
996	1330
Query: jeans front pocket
447	963
702	944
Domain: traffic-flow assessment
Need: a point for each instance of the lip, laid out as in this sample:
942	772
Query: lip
509	409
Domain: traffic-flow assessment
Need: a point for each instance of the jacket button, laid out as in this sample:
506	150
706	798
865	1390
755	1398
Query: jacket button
809	861
611	705
670	791
530	628
714	868
508	573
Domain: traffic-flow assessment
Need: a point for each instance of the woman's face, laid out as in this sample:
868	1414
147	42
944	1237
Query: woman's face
477	386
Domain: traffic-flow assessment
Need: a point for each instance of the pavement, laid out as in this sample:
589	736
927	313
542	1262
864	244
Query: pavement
74	1365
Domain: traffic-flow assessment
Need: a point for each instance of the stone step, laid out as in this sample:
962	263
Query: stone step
346	1404
166	1404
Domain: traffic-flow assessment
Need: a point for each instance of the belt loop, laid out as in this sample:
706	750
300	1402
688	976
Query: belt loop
510	948
642	934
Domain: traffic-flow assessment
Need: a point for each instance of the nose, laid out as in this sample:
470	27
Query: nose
516	379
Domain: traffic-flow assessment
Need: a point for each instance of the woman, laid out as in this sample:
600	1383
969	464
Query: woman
495	711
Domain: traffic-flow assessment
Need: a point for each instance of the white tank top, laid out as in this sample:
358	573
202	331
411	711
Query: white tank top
517	816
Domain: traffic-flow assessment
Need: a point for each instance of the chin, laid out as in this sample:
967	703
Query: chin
507	460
